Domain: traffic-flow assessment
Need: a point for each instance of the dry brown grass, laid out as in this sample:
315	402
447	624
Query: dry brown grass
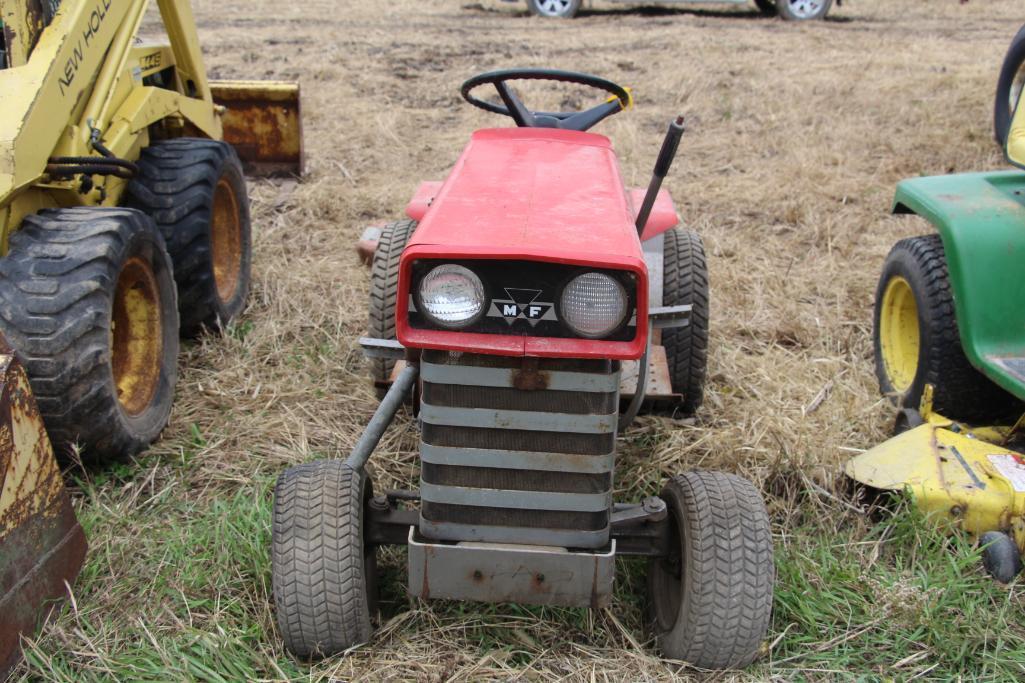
796	137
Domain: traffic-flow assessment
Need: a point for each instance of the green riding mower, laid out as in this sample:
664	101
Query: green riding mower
949	333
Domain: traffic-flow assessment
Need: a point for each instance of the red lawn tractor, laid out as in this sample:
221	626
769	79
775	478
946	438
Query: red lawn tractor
529	307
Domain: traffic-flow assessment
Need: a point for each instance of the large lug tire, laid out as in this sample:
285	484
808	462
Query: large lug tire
1010	85
710	600
195	191
87	299
767	7
323	572
384	286
916	339
685	281
560	9
803	10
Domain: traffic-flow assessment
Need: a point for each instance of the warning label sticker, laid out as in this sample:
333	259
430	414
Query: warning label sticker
1012	468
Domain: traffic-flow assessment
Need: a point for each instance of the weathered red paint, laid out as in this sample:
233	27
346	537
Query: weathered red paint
530	194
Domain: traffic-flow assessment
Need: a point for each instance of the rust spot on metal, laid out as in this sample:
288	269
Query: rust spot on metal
263	121
43	544
529	377
425	587
477	576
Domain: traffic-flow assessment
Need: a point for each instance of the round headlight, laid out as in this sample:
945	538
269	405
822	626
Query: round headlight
593	305
451	296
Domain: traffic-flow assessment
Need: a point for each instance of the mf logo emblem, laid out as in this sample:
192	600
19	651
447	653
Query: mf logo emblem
522	304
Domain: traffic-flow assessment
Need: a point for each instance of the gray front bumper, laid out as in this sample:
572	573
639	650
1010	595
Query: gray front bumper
496	572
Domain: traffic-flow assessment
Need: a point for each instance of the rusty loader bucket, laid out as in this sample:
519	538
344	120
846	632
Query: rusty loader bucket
263	121
42	545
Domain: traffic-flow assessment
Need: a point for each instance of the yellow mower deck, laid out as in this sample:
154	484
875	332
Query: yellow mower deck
962	474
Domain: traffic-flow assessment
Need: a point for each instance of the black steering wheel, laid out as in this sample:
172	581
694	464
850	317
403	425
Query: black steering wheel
525	118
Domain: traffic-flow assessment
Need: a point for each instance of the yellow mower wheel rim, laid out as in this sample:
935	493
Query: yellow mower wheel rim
136	336
899	338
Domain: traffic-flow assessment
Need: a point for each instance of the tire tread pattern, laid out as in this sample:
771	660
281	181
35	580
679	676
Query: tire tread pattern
729	571
685	281
384	285
320	591
960	391
175	186
56	288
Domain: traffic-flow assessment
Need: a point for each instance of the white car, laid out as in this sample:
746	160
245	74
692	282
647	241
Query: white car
791	10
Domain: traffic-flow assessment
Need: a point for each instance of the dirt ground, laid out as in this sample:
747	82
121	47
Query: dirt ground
797	134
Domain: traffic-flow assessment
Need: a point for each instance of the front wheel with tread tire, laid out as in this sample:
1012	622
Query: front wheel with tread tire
710	599
87	299
916	340
195	191
323	572
685	281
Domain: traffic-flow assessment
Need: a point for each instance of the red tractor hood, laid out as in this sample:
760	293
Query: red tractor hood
534	193
537	195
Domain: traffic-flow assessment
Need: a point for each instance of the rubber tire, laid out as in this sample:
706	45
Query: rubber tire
175	186
906	420
1000	556
722	613
767	7
787	14
569	13
685	281
960	391
57	286
1014	60
323	576
384	286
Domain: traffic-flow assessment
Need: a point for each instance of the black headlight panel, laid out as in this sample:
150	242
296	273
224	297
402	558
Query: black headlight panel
527	298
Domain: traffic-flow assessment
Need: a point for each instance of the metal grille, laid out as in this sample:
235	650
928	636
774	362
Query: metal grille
518	440
515	480
517	450
574	403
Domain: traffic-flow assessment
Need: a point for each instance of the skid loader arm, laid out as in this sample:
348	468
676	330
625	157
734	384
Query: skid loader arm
42	545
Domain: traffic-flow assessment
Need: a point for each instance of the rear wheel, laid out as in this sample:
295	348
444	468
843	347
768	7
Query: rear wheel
384	286
195	192
711	597
916	337
322	570
685	281
87	299
803	10
1009	87
562	9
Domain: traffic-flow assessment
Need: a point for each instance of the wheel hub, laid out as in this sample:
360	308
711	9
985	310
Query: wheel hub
226	241
805	9
899	334
136	336
553	8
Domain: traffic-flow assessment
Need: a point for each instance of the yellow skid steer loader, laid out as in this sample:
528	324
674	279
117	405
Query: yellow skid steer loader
124	223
